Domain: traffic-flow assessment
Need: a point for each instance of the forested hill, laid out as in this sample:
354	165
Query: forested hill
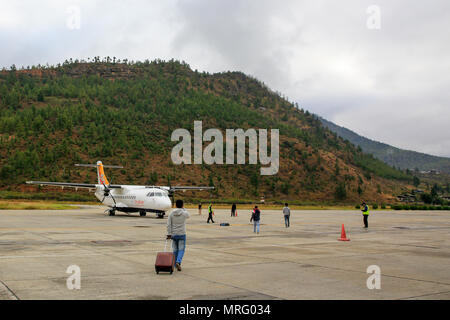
124	112
404	159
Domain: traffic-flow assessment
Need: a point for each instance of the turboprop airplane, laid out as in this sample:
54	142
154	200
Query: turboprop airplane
126	198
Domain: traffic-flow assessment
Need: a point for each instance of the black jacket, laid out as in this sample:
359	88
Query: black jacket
256	215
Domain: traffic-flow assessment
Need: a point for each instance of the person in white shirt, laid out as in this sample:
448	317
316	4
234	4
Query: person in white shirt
176	230
287	214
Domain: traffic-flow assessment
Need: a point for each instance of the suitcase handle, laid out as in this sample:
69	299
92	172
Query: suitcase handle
165	245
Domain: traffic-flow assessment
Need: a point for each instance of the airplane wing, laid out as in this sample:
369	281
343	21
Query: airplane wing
70	184
185	188
180	188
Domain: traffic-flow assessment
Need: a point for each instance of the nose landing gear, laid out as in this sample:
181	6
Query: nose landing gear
110	212
142	213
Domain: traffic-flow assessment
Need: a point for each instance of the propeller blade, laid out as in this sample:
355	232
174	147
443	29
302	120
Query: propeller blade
107	192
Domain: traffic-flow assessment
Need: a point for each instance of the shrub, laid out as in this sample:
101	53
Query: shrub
341	192
396	207
426	197
357	206
383	206
375	206
285	188
405	207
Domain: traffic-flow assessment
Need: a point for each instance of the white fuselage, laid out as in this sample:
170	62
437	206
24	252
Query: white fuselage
135	198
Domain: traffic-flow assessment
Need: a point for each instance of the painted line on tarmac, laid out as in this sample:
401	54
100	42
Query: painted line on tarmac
65	228
235	225
4	288
51	256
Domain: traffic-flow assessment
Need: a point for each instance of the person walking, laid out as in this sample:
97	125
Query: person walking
200	209
233	210
256	217
210	213
176	230
286	214
365	212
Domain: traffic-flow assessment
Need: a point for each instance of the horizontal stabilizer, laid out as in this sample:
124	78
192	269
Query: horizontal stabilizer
95	166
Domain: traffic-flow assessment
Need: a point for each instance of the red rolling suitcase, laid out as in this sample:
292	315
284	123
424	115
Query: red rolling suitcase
164	261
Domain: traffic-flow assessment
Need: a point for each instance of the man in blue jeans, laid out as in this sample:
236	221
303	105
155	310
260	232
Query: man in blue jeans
176	230
256	217
287	214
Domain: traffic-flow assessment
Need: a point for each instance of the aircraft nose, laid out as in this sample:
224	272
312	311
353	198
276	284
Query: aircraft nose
167	204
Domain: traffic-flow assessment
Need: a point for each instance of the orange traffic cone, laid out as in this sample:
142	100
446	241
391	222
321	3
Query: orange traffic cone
343	236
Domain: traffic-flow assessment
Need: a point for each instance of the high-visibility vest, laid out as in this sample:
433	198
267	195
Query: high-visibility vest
210	209
366	213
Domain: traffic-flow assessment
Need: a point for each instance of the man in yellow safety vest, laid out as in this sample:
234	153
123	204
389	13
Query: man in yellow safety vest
210	213
365	212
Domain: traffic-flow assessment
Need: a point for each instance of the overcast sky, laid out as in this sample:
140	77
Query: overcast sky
387	79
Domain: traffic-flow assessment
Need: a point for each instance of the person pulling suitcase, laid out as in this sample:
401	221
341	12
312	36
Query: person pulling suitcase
176	230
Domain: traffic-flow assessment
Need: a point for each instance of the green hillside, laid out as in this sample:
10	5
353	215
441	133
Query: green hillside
393	156
124	113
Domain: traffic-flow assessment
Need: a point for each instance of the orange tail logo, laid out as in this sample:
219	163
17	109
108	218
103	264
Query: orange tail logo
101	174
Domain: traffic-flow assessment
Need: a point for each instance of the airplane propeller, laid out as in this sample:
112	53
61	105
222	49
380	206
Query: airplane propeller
171	195
171	191
107	192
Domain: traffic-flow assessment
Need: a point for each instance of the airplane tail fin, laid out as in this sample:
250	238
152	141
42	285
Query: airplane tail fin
100	171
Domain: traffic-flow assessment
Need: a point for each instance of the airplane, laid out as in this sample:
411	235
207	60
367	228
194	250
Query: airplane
126	198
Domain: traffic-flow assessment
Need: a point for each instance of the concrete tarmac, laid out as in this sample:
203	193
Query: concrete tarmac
116	256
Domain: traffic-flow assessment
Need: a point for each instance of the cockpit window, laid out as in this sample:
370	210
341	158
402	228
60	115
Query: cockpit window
151	194
158	194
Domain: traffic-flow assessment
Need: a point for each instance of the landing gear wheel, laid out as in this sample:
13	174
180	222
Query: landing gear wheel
112	213
142	213
160	215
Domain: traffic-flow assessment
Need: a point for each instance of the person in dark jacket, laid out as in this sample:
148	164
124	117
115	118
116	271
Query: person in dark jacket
256	217
233	210
286	214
